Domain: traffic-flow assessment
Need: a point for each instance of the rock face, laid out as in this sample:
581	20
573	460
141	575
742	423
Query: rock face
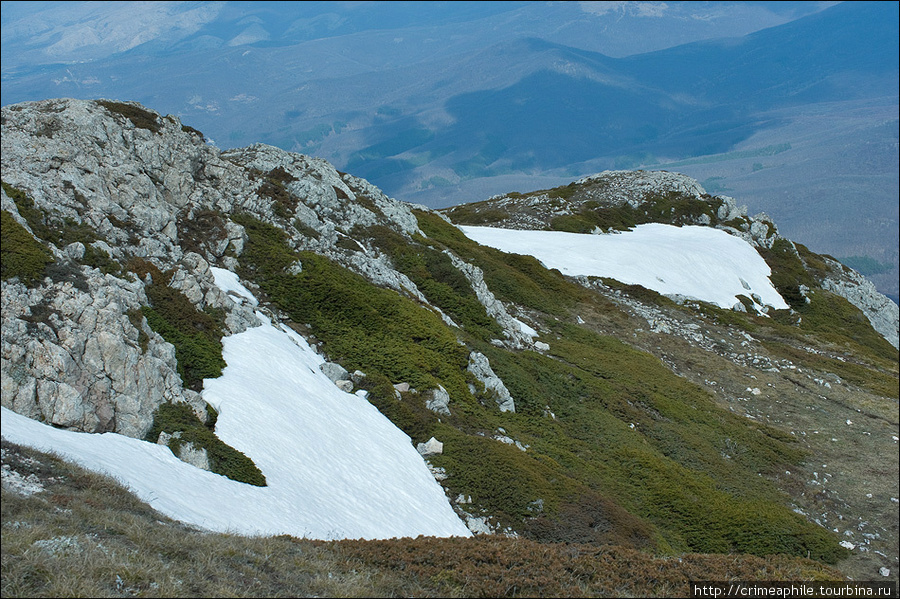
481	368
438	400
859	291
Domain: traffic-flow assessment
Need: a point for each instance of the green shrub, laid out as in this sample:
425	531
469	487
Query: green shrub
511	278
434	275
141	118
196	335
21	255
363	326
223	459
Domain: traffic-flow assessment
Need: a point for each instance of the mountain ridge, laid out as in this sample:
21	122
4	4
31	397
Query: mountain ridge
128	212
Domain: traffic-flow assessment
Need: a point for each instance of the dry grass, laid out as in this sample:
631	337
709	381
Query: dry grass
84	535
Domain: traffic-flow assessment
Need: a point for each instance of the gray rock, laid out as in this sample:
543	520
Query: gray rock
334	371
430	448
438	400
883	314
193	455
480	367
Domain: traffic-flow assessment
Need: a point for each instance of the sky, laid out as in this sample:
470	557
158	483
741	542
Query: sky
336	468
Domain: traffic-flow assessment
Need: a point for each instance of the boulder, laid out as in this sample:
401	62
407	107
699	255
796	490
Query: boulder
430	448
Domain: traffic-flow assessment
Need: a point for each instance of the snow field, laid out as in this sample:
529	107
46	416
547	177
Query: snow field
695	262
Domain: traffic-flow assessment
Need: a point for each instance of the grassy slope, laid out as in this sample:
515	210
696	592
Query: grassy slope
664	485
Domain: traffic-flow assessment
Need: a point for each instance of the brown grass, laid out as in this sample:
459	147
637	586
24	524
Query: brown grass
85	535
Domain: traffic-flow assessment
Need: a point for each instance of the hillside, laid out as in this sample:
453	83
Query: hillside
273	322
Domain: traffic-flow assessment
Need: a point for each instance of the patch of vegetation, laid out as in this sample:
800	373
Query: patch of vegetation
434	275
62	231
202	231
690	497
831	317
564	192
196	335
21	255
477	213
140	118
179	420
364	327
273	187
639	292
672	208
192	131
513	278
620	411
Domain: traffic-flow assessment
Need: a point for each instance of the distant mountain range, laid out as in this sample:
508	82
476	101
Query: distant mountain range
793	107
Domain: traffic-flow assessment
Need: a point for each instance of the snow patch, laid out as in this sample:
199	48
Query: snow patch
335	466
694	262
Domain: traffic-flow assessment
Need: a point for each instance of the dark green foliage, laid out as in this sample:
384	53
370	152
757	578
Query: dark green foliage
669	469
564	192
788	271
513	278
672	208
192	131
664	476
67	272
100	259
21	255
61	232
364	327
348	243
829	316
223	459
141	118
408	414
435	276
268	252
196	335
477	213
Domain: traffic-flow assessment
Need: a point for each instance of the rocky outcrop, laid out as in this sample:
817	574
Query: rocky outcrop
633	186
515	337
480	367
859	291
83	357
438	400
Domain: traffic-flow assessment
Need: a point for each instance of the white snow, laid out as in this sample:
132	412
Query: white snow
525	328
695	262
228	282
335	466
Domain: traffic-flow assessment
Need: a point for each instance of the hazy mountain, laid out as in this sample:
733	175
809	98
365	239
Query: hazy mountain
442	103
